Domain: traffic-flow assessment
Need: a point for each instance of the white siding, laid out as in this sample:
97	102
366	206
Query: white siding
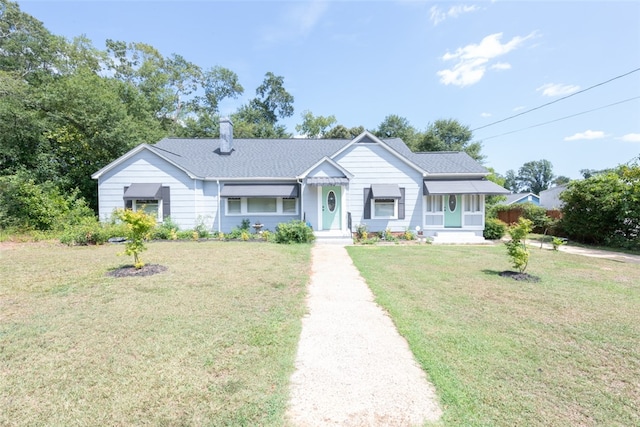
373	164
187	199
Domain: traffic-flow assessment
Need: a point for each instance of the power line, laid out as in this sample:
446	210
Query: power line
557	100
563	118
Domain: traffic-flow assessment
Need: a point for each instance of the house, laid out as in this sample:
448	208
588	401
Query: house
334	185
550	198
512	199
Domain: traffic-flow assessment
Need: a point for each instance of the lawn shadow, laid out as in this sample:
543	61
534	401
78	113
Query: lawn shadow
491	272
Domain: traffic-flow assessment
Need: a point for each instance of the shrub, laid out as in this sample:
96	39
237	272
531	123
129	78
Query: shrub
294	231
517	247
27	205
408	234
168	230
361	232
139	226
494	229
604	209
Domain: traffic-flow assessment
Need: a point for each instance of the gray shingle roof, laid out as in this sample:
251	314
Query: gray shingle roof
439	162
288	158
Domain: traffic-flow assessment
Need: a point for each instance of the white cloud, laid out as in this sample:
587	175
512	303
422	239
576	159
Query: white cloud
501	66
631	137
485	115
306	15
519	108
438	15
299	20
555	89
473	60
588	134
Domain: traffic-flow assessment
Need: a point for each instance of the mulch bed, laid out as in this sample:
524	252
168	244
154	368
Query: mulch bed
131	271
524	277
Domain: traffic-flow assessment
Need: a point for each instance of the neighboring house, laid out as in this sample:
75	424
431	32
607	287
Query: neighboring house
333	185
550	198
522	198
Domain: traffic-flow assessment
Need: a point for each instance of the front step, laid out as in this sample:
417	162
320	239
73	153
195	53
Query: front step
334	237
457	238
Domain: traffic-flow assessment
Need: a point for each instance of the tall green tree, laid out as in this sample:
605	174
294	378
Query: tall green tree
315	126
343	132
394	126
272	99
604	208
511	181
449	135
535	176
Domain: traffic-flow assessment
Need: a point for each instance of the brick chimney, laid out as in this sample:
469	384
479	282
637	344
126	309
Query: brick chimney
226	136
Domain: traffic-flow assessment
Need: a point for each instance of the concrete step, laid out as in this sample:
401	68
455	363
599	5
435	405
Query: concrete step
458	238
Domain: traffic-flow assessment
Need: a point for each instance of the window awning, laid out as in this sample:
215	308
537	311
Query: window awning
143	192
327	180
463	187
259	190
385	191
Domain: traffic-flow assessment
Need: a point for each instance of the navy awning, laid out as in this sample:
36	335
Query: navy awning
385	191
463	187
259	190
143	192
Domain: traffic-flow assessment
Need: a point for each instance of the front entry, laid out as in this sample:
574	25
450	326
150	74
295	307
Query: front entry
331	208
452	211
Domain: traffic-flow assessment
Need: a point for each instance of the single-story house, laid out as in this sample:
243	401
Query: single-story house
512	199
332	184
550	198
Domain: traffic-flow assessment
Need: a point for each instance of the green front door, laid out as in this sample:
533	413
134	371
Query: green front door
331	215
452	211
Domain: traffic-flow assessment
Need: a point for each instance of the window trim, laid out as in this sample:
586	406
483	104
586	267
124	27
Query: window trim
385	201
139	203
279	207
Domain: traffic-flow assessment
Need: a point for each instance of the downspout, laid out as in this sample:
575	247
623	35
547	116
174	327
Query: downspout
195	202
301	183
219	214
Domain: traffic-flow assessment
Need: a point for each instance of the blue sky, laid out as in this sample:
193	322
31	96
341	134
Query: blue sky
476	62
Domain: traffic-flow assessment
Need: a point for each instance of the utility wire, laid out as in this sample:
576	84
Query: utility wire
564	118
557	100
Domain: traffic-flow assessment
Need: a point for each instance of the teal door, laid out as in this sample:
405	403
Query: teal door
452	211
331	209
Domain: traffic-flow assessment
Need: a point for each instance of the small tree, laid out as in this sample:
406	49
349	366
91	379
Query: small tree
517	247
139	226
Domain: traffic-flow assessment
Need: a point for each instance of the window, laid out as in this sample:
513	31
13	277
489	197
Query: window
384	208
289	206
472	203
434	204
234	205
150	207
262	205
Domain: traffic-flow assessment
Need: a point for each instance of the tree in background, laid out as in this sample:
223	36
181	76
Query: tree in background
315	126
394	126
535	176
343	132
511	181
604	208
449	135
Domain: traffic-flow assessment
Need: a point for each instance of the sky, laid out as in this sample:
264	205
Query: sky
568	70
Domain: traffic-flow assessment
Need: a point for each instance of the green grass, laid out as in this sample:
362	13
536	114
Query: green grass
564	351
211	341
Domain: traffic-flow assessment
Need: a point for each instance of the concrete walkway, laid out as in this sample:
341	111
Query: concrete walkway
595	253
352	366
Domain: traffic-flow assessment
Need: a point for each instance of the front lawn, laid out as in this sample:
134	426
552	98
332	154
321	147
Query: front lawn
564	351
210	341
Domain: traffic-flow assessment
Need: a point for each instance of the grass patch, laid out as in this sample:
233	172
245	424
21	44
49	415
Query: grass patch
563	351
210	341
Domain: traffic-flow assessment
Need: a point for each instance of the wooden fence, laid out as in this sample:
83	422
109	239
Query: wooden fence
513	215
